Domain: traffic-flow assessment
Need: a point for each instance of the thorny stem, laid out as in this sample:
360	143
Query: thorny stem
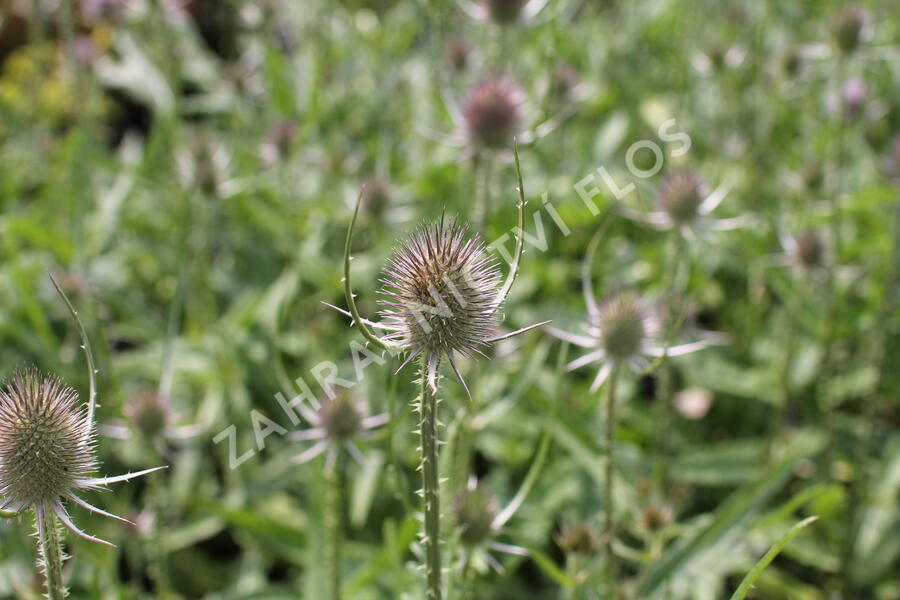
432	533
610	473
334	522
51	553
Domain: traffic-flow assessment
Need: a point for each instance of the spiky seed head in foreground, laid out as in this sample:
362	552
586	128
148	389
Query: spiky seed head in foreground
46	440
622	325
150	413
849	28
504	12
341	416
492	112
440	291
681	195
474	511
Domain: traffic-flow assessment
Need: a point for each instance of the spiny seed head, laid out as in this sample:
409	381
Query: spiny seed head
504	12
849	28
809	250
341	416
681	195
655	517
439	291
621	325
581	539
474	511
150	413
492	112
46	440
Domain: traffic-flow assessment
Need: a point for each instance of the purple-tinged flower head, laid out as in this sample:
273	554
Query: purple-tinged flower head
622	325
681	195
150	413
850	28
341	417
474	512
853	96
581	539
439	292
46	440
492	113
458	54
504	12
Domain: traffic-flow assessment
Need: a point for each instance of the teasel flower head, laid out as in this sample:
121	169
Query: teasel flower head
492	113
622	329
334	423
479	520
686	204
850	28
581	539
150	413
806	251
655	517
47	449
474	511
442	294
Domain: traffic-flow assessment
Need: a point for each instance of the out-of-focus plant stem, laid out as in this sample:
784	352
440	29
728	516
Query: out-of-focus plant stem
610	474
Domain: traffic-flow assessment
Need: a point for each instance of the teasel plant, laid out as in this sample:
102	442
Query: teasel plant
334	423
48	457
441	298
621	331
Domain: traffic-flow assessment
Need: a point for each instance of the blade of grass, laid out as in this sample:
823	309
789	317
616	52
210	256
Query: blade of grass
768	557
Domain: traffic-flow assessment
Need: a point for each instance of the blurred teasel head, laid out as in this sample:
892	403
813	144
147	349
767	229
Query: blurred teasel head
376	196
341	417
681	195
622	325
503	12
850	28
808	250
474	511
278	142
655	518
492	113
581	539
458	54
150	413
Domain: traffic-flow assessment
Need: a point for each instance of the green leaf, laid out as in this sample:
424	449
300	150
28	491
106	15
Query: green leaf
768	557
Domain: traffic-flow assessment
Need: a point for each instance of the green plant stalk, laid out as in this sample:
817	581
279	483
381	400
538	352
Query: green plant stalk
51	555
783	377
157	549
609	534
334	522
430	492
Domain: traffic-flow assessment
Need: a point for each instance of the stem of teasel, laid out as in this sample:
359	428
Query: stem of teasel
431	537
51	553
608	502
334	522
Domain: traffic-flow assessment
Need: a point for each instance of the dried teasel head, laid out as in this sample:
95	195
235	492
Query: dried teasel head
492	113
581	539
504	12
